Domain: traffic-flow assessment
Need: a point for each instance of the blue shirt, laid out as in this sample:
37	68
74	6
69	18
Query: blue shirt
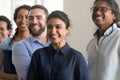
22	52
7	44
67	64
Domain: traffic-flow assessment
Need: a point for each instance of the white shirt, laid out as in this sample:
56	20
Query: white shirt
104	56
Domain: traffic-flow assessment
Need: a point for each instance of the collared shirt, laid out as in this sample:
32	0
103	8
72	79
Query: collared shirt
6	44
104	56
6	49
65	64
22	52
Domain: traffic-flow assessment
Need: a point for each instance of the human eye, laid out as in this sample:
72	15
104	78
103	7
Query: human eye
94	9
49	26
19	17
103	9
2	29
39	17
26	17
30	17
58	26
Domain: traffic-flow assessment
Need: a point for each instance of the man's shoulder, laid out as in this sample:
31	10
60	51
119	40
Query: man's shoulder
23	42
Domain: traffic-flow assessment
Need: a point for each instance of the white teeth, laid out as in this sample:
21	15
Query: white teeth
99	18
23	25
54	36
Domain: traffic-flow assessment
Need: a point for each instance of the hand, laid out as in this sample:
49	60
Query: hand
13	77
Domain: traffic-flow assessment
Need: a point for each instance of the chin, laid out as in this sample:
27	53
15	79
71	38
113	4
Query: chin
54	42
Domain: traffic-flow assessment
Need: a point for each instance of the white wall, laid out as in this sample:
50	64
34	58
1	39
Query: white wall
82	25
4	8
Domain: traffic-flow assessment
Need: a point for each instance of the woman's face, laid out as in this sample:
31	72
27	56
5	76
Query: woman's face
102	14
4	32
22	20
56	31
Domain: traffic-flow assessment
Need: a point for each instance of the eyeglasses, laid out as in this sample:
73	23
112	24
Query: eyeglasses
102	9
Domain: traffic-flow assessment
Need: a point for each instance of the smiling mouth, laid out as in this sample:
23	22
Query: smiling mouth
54	36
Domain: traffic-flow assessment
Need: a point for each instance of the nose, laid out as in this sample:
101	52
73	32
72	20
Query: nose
34	20
24	20
98	12
53	30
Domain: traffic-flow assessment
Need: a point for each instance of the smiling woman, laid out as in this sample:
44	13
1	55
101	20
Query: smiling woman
58	61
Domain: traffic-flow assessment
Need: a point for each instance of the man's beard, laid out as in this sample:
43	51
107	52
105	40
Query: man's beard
41	30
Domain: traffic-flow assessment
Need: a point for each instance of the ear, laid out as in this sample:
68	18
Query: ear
68	29
114	17
10	31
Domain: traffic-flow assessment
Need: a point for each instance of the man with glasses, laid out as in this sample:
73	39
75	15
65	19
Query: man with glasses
104	49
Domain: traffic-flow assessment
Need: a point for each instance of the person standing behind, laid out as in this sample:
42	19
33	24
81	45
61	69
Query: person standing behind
23	50
58	61
22	32
5	28
104	49
5	32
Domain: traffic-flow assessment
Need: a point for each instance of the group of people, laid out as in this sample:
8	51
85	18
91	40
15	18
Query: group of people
39	50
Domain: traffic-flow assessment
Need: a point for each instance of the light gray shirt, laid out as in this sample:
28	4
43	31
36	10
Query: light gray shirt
104	56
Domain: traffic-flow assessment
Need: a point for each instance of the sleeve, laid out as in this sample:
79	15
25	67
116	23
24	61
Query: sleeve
32	72
21	60
81	69
1	60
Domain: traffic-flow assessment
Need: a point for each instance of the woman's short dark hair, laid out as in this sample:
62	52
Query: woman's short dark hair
4	18
61	15
27	7
114	6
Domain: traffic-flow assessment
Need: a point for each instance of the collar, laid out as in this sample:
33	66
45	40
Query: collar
108	31
64	50
34	39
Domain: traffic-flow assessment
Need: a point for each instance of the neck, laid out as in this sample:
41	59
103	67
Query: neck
22	35
59	45
42	38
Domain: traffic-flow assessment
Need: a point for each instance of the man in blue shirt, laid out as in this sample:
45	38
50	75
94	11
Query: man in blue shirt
23	50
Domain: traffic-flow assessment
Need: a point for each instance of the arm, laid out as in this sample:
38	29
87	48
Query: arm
32	72
6	76
21	60
1	60
81	69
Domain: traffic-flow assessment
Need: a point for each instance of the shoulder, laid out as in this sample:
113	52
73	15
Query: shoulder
6	43
41	51
22	42
76	53
78	57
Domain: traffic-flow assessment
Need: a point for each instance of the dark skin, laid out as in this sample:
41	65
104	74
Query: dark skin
103	19
23	33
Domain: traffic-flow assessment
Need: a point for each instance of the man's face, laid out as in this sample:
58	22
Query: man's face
102	14
37	21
